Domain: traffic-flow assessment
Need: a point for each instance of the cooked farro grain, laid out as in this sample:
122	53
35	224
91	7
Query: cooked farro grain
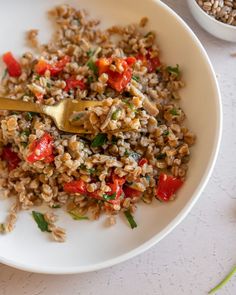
99	172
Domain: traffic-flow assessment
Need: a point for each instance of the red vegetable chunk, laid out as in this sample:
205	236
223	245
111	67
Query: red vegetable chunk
75	186
167	186
42	149
10	157
72	83
131	192
55	69
142	162
152	63
13	66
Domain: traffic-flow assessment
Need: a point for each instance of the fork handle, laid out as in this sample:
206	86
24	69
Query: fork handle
19	105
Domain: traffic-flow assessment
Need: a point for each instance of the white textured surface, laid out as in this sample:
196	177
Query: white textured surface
199	252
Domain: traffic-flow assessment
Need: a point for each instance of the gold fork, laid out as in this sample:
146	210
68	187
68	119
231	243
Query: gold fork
60	113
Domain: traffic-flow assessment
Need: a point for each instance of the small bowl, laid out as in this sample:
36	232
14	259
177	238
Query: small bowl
211	25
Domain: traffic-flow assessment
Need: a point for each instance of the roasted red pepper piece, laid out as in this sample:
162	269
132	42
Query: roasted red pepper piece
152	63
72	83
75	186
13	66
142	161
131	192
167	186
116	80
115	189
10	157
55	69
42	149
120	180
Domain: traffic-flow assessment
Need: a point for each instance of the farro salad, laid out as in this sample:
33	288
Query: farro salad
100	172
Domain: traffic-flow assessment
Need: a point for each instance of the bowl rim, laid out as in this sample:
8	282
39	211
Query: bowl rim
211	18
181	215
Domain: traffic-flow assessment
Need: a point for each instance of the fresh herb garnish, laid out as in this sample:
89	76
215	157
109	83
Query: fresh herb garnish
37	77
26	133
92	171
166	132
76	216
161	156
24	144
90	79
56	206
224	282
92	66
174	112
129	104
99	140
30	115
136	78
126	153
90	52
40	220
109	197
130	219
174	70
115	115
4	74
48	84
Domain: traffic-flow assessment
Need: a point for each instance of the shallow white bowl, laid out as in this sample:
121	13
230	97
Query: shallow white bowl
216	28
91	245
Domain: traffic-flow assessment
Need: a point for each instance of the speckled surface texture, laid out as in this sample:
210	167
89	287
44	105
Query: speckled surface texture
200	251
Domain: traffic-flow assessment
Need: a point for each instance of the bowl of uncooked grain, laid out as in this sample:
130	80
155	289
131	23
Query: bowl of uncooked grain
73	203
217	17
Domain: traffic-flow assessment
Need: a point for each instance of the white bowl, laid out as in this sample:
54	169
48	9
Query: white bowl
216	28
90	245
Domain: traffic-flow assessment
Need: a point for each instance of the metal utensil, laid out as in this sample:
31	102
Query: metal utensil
60	113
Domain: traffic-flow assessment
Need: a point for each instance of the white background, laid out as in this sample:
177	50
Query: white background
200	251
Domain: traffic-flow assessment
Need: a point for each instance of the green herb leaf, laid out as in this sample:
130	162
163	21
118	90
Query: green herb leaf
56	206
40	220
174	70
30	115
4	74
92	66
166	132
92	171
48	85
109	197
90	79
224	282
161	156
24	144
99	140
126	153
136	78
130	219
37	77
115	115
174	112
90	52
26	132
76	216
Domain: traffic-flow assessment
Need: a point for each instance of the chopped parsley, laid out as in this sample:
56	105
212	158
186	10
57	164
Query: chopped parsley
48	85
174	112
30	115
76	216
130	219
116	114
90	79
24	144
109	197
37	77
26	132
90	53
166	132
41	221
4	74
99	140
92	66
136	78
174	70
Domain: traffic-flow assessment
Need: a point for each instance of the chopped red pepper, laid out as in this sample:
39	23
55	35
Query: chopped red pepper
115	189
142	162
10	157
152	63
131	192
13	66
75	186
167	186
116	80
55	69
120	180
72	83
42	149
